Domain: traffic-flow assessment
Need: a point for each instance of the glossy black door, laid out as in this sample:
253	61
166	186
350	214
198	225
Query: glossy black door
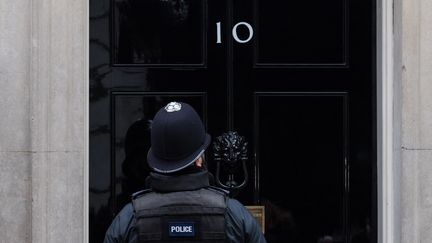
301	91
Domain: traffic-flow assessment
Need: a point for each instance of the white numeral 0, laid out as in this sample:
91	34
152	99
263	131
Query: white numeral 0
234	32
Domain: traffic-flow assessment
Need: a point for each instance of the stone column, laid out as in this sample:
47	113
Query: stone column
15	144
43	121
59	120
414	77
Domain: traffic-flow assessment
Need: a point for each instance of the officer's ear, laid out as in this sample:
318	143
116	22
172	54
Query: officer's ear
199	162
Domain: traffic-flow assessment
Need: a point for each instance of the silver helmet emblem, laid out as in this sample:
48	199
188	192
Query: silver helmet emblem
173	106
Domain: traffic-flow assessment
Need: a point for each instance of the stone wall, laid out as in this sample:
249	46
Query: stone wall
413	83
15	145
43	121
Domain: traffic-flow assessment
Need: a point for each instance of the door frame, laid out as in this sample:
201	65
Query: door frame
386	118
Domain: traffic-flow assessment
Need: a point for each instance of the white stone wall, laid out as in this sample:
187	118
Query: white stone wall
413	105
43	121
15	144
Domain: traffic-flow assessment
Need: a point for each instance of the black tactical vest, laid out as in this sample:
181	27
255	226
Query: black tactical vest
184	216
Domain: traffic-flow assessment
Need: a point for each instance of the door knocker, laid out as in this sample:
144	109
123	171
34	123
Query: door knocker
230	153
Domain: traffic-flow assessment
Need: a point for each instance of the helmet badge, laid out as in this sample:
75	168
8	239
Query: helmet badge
173	106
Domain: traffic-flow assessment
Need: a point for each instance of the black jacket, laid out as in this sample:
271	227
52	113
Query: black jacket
241	226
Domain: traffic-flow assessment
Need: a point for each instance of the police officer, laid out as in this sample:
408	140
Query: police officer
181	206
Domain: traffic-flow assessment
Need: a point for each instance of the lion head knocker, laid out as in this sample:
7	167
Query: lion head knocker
230	152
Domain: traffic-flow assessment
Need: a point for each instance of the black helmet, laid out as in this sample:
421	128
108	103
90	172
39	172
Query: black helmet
178	138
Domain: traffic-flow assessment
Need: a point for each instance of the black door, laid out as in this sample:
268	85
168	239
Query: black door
295	78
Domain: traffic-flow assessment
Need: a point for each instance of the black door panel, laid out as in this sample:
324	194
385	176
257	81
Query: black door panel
301	33
301	147
159	33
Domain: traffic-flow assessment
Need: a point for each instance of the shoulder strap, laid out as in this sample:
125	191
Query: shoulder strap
140	193
219	190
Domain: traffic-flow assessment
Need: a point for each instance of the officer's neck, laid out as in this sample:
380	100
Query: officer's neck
186	182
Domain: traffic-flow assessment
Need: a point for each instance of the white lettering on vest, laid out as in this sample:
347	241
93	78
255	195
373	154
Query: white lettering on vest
181	229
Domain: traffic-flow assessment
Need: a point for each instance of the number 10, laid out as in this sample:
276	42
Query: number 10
234	32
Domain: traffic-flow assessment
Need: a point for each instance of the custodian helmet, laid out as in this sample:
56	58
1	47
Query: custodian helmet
178	138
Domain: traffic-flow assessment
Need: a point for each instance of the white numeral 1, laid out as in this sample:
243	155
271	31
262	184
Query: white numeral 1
218	33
